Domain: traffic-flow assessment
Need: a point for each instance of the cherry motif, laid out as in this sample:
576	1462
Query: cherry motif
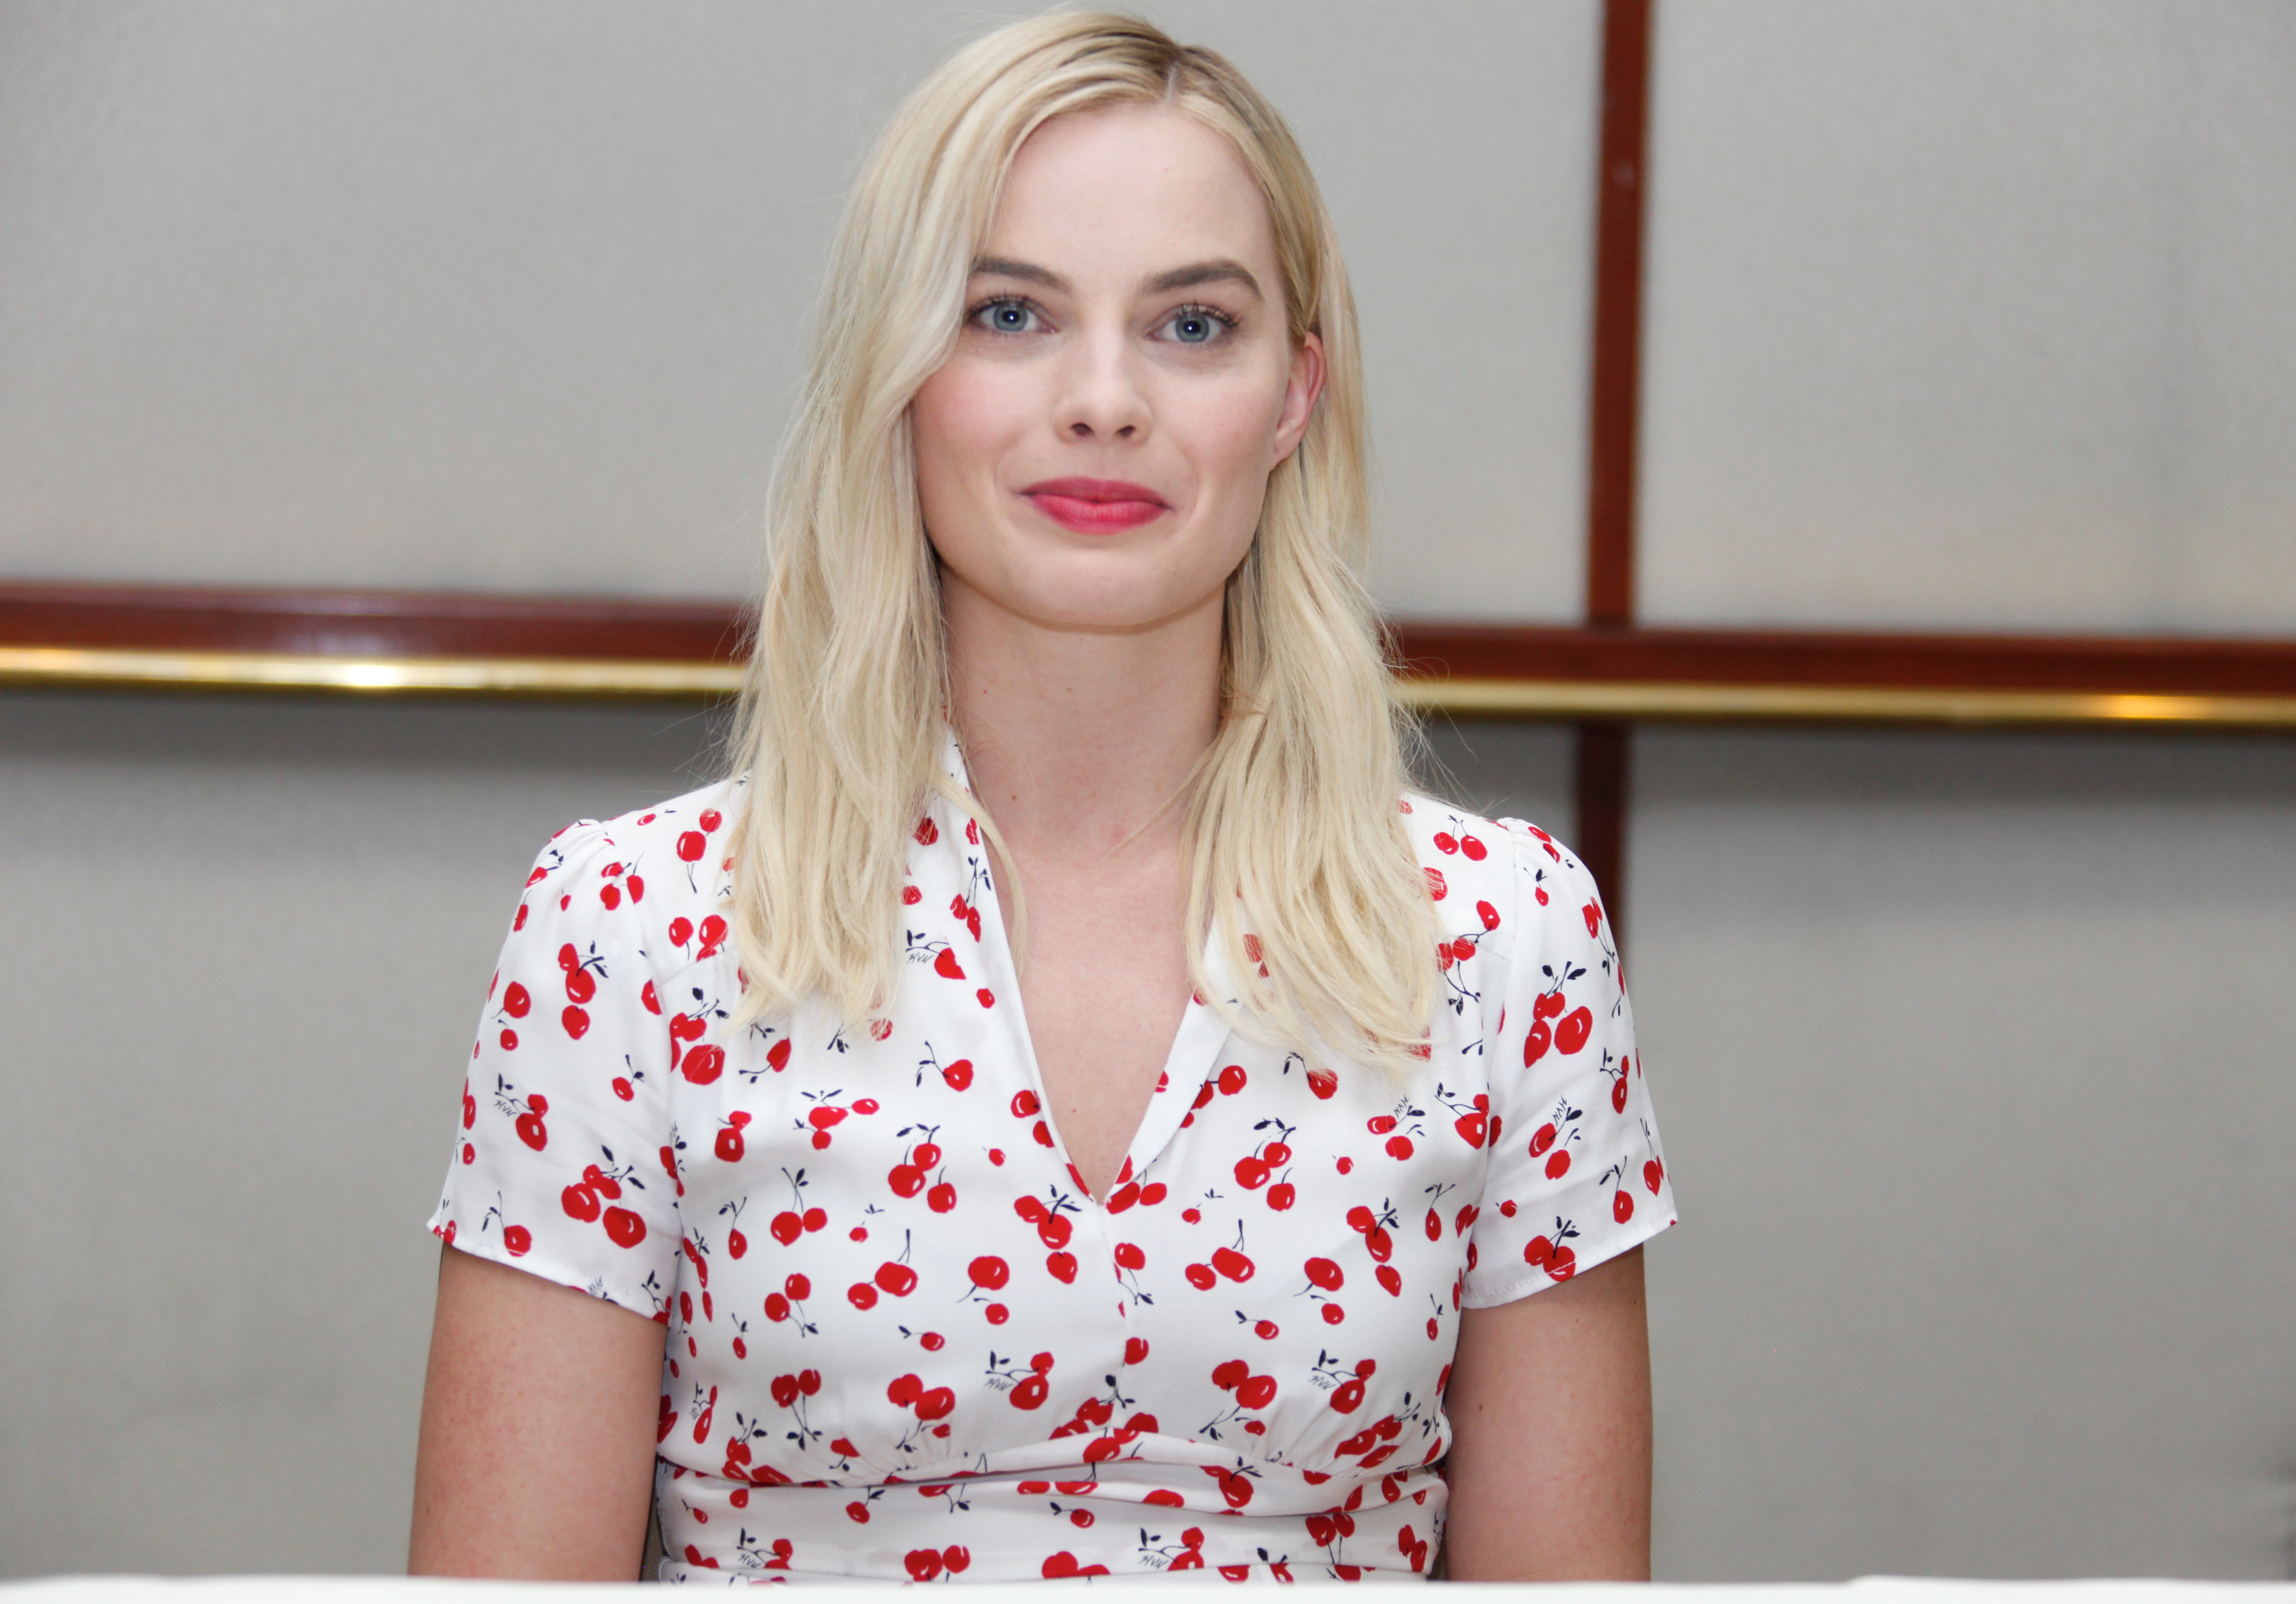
1572	1035
1654	1172
517	1240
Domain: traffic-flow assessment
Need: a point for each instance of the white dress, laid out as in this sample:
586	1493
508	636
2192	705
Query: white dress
903	1341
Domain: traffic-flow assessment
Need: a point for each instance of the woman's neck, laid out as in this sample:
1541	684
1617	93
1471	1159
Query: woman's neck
1077	740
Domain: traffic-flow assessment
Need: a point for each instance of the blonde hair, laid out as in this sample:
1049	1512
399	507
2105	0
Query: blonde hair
1298	866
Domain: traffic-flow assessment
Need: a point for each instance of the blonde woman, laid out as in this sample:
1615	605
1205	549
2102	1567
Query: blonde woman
1065	1106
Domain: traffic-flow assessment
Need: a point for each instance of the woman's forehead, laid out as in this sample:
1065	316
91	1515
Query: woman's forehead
1129	191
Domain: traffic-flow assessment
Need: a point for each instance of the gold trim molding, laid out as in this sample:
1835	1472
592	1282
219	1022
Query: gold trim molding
1626	701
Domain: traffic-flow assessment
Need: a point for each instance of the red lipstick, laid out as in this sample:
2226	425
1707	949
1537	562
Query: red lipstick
1092	506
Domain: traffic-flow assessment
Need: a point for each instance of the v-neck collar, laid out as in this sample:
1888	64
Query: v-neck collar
1197	1045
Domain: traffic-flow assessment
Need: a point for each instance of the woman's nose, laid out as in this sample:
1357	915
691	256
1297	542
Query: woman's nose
1101	397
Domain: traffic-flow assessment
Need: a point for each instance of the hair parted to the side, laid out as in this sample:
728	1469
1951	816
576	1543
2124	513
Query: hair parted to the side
1299	870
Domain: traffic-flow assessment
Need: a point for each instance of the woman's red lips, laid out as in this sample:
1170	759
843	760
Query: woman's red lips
1096	506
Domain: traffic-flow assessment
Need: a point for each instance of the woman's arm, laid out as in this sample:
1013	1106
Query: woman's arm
539	1414
1550	1462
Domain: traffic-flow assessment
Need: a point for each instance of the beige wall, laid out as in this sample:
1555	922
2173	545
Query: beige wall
1973	1055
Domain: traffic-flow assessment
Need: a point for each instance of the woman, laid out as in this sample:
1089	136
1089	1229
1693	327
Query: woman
1185	1221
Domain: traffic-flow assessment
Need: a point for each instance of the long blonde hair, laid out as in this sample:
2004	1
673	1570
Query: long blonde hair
1299	870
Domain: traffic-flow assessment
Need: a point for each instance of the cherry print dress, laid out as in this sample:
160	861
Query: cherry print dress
902	1341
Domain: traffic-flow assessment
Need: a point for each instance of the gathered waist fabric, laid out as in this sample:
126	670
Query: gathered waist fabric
1170	1506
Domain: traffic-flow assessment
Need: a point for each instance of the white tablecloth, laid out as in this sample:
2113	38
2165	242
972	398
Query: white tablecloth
1871	1589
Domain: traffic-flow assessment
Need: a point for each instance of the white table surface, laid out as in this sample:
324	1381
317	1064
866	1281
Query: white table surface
1872	1589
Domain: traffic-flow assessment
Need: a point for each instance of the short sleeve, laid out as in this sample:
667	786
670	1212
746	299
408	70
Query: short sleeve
561	1159
1576	1176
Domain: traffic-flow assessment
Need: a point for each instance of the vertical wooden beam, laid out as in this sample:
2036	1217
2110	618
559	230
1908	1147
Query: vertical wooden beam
1613	400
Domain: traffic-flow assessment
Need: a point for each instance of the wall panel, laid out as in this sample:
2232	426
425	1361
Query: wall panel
1974	1059
1971	315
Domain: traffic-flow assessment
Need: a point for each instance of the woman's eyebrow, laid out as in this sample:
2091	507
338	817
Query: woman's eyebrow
1027	273
1223	270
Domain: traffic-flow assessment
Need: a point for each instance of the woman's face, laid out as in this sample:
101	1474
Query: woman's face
1094	453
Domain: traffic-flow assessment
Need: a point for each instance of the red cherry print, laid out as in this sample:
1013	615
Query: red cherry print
941	1198
1347	1397
937	1405
530	1131
902	1391
1558	1163
470	1109
713	935
1231	1263
1487	914
787	1226
1542	1138
958	1075
1571	1034
692	845
777	1307
997	1313
814	1219
730	1144
1202	1277
1446	842
928	1153
1548	1006
1256	1392
1593	914
515	1001
1063	1266
1031	1393
1130	1256
777	1056
1470	848
580	986
626	1229
581	1203
1251	1174
1025	1104
681	930
784	1390
862	1295
576	1021
1471	1129
623	1089
1345	1164
931	1342
1327	1273
1282	1196
1232	1080
736	1244
517	1239
1322	1083
906	1180
1619	1095
1378	1243
988	1272
898	1279
945	964
1654	1172
1333	1314
1390	1278
1232	1374
1398	1147
1561	1266
1622	1207
910	896
702	1065
1536	1042
1434	1227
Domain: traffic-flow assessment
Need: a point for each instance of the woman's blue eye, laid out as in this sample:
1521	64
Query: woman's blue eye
1194	328
1007	317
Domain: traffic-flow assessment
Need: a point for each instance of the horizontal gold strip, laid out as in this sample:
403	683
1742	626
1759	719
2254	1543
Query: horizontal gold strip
1630	702
422	676
1636	701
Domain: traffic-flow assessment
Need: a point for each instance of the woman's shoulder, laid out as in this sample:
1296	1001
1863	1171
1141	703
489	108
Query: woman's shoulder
659	870
1507	875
